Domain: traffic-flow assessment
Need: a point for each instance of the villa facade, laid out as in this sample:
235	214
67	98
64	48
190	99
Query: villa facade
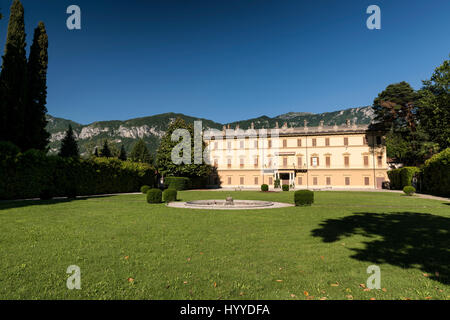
322	157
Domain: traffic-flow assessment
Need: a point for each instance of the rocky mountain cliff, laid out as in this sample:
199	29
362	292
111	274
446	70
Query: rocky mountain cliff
152	128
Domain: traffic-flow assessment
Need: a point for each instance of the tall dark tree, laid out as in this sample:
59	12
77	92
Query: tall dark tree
13	79
69	146
123	154
96	152
105	152
140	153
36	135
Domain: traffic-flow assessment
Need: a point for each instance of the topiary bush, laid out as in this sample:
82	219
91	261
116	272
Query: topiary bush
303	197
154	196
409	190
144	189
264	187
285	187
400	178
169	195
177	183
436	174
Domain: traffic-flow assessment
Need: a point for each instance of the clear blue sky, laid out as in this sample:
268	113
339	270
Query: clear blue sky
234	59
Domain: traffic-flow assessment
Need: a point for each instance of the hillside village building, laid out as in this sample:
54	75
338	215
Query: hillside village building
346	156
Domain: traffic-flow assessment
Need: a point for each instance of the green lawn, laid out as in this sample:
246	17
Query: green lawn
288	253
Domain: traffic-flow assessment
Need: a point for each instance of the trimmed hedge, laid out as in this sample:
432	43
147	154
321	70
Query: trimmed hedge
33	174
436	174
400	178
144	189
409	190
264	187
154	196
169	195
303	197
285	187
177	183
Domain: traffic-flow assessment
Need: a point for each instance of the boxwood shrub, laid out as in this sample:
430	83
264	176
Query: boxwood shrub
264	187
285	187
409	190
400	178
154	196
169	195
177	183
144	189
303	197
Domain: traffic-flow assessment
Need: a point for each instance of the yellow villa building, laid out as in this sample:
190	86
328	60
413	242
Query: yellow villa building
322	157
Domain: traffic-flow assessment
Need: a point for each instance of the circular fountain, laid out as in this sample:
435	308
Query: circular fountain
228	204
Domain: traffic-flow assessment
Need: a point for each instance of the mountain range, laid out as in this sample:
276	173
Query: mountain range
152	128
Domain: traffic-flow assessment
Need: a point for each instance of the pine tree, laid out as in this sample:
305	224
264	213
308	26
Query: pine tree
123	154
140	153
35	111
105	152
69	146
13	79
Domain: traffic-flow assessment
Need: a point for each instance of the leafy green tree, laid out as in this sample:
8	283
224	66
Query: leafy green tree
13	79
140	153
105	152
123	154
434	106
164	154
396	114
69	146
36	135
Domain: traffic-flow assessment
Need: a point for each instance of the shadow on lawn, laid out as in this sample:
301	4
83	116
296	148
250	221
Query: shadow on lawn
408	239
11	204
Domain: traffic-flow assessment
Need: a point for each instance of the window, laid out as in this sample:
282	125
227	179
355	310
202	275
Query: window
328	161
365	141
299	142
241	163
255	162
229	144
314	142
300	181
347	161
270	180
216	145
256	144
285	162
299	162
241	181
380	161
366	161
314	161
270	143
229	180
229	163
328	181
284	143
345	141
327	142
315	181
366	181
256	181
241	144
347	181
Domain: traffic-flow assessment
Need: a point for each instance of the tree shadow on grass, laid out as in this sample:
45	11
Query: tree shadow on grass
404	239
11	204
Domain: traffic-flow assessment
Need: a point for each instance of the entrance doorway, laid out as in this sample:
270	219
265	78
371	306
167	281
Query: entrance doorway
284	178
380	183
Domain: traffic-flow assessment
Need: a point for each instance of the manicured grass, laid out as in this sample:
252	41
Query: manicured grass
287	253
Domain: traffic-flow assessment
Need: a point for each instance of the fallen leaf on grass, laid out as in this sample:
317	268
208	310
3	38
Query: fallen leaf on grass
334	284
362	285
323	298
215	285
130	280
349	297
310	298
366	289
428	298
373	299
185	282
293	295
188	259
126	257
425	274
279	280
306	293
384	289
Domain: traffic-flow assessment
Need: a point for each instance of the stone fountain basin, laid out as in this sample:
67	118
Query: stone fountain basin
223	205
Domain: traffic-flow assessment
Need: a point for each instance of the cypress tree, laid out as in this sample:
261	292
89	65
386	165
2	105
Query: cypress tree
96	152
69	146
105	152
13	79
35	111
140	153
123	154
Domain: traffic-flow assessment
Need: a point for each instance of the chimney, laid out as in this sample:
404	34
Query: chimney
276	125
228	126
321	123
305	123
237	126
252	126
347	122
285	125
